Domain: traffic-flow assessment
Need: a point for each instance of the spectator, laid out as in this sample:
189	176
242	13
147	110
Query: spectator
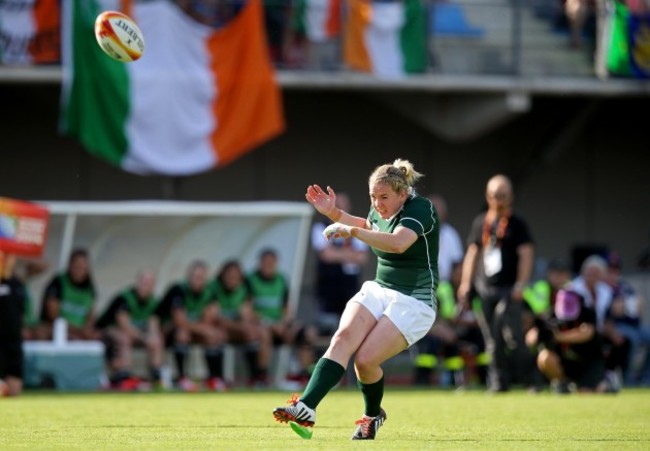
130	321
236	317
570	345
24	271
591	285
276	20
70	295
12	309
451	246
316	25
579	13
540	300
270	294
338	272
189	316
499	261
455	334
540	296
625	313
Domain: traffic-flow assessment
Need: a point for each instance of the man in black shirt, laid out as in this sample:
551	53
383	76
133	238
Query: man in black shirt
12	309
571	347
499	262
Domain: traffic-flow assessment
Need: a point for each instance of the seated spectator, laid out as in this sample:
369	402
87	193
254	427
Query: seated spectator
70	295
270	294
188	315
591	285
12	310
236	317
570	348
455	335
625	314
540	296
129	321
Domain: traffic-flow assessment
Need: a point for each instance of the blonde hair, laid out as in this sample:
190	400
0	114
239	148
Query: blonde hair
400	175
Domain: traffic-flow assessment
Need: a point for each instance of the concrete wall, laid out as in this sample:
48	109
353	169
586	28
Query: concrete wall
594	190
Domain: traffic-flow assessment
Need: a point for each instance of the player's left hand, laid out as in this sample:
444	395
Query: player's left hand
337	230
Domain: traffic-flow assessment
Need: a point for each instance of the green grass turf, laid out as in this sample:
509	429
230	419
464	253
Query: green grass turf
243	420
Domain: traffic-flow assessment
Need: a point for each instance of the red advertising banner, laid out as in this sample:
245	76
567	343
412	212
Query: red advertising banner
23	227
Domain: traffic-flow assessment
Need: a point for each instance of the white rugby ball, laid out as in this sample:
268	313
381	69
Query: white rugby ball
119	36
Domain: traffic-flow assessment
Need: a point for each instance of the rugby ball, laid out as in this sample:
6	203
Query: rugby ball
119	36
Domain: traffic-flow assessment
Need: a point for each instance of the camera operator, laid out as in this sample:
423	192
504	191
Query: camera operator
570	349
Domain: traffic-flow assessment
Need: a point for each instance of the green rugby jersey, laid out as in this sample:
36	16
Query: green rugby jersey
230	302
76	301
269	296
195	303
414	272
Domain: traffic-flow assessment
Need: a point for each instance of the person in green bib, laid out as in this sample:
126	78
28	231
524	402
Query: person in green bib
188	313
70	295
388	314
128	321
237	317
270	295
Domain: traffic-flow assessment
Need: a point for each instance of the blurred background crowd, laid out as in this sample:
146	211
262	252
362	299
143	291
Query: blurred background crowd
568	330
553	37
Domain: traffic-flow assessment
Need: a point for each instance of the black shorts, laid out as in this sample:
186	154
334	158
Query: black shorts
300	339
11	359
586	374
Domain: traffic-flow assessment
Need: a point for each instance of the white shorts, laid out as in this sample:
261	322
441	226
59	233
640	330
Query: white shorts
412	318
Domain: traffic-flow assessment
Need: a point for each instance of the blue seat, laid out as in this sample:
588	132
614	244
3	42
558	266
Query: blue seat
448	19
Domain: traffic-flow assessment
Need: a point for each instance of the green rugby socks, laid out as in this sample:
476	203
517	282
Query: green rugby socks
372	396
326	375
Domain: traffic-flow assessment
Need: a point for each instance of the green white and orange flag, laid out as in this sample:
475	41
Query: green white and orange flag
30	32
386	38
198	98
320	20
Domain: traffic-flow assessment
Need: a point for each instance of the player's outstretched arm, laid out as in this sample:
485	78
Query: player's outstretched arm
325	204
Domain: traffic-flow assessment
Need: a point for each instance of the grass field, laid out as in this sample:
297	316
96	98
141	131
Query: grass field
242	420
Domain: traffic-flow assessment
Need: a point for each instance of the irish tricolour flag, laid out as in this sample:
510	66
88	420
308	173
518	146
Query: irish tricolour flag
320	20
198	98
30	32
386	38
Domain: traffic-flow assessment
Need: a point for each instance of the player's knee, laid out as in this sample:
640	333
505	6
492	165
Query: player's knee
342	339
364	362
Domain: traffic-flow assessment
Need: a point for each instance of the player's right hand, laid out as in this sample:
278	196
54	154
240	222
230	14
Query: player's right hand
323	202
